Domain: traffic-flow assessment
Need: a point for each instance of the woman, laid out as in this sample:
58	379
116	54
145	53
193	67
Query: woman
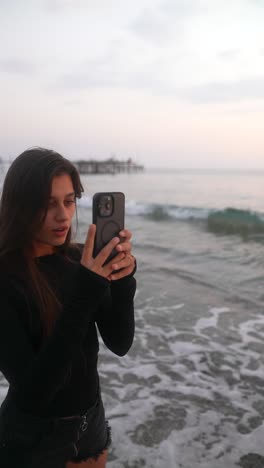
53	292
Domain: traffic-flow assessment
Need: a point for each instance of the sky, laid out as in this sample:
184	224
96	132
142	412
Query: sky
168	83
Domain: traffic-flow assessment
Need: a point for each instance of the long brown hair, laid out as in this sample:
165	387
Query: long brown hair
25	196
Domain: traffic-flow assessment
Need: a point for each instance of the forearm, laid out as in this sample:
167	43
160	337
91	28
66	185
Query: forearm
116	319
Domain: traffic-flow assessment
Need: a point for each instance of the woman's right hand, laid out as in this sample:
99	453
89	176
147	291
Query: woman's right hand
97	264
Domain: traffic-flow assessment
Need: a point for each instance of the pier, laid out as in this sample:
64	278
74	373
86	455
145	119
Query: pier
92	166
108	166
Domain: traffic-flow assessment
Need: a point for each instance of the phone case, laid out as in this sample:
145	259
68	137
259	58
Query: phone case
108	227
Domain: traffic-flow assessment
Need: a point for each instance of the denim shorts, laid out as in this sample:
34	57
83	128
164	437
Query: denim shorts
75	438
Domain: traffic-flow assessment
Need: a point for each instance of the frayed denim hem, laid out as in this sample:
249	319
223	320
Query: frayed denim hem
95	456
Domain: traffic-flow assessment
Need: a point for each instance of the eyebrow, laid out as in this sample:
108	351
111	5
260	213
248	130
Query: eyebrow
67	195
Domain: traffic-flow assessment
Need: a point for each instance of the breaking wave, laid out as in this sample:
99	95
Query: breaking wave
227	221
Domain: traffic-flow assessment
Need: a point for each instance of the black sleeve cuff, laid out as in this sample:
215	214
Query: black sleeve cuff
88	286
86	273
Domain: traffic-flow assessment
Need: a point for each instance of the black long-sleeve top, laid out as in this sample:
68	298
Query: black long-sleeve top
59	376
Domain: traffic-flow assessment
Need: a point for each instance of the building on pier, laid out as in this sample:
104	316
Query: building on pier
108	166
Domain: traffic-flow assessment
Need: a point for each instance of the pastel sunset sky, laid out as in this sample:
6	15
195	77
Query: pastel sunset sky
170	83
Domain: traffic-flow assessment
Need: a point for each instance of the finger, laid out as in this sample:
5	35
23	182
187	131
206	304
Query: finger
115	260
89	243
124	247
125	233
107	269
126	262
121	274
105	252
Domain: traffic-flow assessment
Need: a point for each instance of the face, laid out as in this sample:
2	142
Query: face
59	216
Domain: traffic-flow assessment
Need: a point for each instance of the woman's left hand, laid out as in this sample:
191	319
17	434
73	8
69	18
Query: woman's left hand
125	266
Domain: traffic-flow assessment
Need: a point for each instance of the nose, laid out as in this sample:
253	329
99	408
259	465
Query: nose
61	213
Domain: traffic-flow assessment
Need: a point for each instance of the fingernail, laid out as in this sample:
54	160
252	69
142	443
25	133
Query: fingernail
119	247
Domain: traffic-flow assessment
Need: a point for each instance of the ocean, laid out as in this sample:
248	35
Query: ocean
190	392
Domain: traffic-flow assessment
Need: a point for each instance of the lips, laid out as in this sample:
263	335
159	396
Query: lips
60	230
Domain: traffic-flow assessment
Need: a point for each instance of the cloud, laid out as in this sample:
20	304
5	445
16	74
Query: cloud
17	66
231	54
103	76
252	88
159	23
122	65
58	6
258	3
99	72
109	71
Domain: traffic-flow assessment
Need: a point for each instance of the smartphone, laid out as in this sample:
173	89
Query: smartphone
109	217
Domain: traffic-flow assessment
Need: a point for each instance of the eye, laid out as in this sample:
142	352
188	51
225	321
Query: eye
52	203
69	202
